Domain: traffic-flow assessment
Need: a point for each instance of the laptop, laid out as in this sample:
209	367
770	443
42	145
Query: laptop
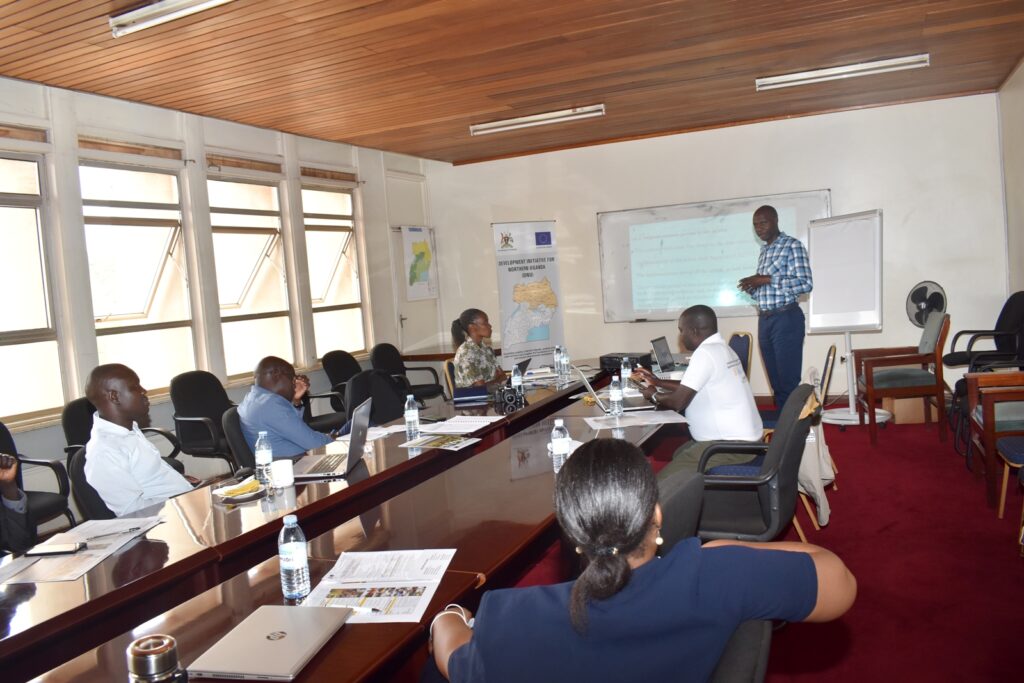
271	644
663	354
627	405
335	463
522	365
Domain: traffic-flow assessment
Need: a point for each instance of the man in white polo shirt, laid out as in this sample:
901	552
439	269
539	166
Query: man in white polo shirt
714	394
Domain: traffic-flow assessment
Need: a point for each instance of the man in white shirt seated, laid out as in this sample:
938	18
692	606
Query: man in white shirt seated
120	462
714	394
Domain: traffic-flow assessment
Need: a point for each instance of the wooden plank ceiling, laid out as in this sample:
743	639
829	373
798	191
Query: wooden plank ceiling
411	75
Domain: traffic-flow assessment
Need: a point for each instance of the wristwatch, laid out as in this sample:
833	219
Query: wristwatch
654	398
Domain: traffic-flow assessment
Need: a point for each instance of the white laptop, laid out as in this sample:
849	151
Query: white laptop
668	368
337	462
271	644
627	405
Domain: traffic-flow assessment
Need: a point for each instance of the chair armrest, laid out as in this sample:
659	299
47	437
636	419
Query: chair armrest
63	486
167	435
205	421
886	351
893	361
730	447
720	481
989	334
404	381
327	394
432	371
973	333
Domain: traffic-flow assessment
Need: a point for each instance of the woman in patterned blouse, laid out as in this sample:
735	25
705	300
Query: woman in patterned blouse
475	364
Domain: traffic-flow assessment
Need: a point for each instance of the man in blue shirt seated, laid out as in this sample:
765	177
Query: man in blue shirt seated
274	405
17	534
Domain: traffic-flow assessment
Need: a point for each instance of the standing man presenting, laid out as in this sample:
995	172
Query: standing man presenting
783	274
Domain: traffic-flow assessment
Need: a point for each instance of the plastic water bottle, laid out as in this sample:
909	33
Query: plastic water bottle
517	380
556	364
412	417
291	550
615	397
264	456
561	444
626	370
566	368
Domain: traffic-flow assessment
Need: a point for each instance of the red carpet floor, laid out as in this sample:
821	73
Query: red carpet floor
940	578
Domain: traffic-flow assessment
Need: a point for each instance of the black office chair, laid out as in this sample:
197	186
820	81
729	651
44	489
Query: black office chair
759	506
199	403
42	505
88	500
386	358
681	495
236	438
388	400
340	367
745	658
1004	336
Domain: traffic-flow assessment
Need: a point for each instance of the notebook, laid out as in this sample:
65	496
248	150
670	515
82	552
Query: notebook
271	644
627	404
337	463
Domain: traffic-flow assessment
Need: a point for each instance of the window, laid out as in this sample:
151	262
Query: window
251	281
333	265
28	341
137	270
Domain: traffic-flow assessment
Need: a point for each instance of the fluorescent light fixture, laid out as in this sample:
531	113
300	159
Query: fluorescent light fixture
560	116
836	73
158	13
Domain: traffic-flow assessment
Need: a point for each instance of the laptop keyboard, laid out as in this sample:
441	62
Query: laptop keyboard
328	463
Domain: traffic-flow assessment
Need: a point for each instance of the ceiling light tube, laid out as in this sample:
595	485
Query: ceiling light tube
547	118
836	73
158	13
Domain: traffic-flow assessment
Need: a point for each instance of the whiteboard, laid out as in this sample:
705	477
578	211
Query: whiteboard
846	263
658	261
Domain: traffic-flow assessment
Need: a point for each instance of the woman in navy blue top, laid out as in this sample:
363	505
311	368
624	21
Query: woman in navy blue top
631	616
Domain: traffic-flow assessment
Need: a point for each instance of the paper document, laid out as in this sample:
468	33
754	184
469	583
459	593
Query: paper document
374	433
13	565
102	537
445	442
461	424
636	419
383	587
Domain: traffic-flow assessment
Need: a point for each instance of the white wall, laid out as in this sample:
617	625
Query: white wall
1011	110
932	167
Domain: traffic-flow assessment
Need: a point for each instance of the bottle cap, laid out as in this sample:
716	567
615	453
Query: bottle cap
559	422
151	656
408	396
262	433
290	519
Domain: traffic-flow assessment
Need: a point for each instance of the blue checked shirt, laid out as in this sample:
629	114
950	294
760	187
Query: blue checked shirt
786	261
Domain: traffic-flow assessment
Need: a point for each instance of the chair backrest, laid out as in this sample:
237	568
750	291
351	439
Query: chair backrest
1010	318
340	366
386	358
89	502
76	419
388	401
784	454
198	393
826	373
930	333
232	426
449	376
745	658
681	496
741	343
7	446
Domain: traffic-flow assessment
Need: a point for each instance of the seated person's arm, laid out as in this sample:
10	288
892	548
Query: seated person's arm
16	534
448	634
286	421
837	587
677	400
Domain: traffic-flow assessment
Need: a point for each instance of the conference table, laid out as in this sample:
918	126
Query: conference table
204	542
495	509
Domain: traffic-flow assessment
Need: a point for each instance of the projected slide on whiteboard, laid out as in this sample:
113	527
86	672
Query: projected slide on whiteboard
658	261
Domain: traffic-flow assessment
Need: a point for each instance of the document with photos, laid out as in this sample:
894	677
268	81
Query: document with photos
461	424
637	419
102	538
384	587
445	442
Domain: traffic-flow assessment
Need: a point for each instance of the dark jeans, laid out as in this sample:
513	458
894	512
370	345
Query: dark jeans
781	338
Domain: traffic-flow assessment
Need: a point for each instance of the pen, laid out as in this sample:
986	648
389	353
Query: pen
114	533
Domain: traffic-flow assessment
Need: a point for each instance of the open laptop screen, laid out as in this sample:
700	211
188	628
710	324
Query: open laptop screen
663	354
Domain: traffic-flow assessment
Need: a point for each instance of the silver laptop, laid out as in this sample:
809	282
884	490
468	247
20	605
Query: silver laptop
663	354
626	405
338	461
271	644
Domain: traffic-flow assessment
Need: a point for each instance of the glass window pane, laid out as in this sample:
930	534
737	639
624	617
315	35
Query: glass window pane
121	184
123	285
128	212
31	378
237	220
247	341
155	355
231	195
335	330
236	258
19	177
323	256
329	222
323	201
22	271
